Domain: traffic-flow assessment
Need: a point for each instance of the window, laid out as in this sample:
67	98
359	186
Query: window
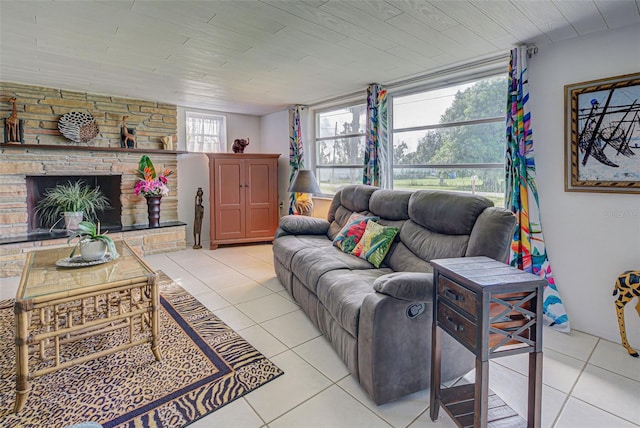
451	139
206	132
340	143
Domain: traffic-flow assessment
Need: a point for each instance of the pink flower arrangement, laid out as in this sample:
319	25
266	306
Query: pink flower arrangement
150	183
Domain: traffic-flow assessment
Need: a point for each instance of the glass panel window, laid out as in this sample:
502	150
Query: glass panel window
331	179
488	182
339	145
451	139
206	132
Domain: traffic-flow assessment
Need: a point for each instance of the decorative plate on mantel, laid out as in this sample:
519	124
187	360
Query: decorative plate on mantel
79	127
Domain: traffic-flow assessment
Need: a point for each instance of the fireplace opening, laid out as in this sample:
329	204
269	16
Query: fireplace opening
37	185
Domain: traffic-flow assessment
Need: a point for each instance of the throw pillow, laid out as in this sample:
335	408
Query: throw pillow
352	231
375	243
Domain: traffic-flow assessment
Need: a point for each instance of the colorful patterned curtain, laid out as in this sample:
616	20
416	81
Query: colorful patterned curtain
375	154
528	251
296	154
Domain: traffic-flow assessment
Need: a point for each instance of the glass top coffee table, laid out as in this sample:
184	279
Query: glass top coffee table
57	307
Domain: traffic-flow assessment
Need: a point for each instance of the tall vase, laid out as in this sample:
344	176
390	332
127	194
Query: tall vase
153	208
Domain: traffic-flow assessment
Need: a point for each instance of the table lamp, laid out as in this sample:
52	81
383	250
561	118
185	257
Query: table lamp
304	183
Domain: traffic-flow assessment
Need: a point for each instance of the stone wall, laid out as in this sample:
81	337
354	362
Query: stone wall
41	108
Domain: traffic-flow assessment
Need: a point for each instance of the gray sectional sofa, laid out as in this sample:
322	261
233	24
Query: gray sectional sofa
378	320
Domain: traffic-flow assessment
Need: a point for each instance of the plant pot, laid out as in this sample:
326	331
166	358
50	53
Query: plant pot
72	219
93	250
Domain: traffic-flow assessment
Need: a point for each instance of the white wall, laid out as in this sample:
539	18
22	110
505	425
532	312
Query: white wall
194	167
590	237
274	135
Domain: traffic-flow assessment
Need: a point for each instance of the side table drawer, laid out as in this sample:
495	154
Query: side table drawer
459	326
457	295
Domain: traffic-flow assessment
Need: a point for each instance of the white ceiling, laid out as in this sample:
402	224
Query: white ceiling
257	57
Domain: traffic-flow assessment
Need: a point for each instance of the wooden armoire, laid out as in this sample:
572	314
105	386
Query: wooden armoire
244	197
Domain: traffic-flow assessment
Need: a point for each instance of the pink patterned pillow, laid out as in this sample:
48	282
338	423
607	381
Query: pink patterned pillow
350	234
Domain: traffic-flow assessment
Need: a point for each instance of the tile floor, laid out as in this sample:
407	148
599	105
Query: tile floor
588	381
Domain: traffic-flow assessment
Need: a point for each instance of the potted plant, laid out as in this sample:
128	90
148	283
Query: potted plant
92	244
73	200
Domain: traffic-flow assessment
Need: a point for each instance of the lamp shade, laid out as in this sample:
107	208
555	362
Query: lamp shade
304	182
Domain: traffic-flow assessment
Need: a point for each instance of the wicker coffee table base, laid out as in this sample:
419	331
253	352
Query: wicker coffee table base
46	325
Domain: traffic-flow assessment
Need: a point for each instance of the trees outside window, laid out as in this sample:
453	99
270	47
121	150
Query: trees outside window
452	139
449	138
340	143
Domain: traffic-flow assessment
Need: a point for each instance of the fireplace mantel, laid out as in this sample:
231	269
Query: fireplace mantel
26	147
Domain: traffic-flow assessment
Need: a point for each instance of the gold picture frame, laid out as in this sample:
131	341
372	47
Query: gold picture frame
602	135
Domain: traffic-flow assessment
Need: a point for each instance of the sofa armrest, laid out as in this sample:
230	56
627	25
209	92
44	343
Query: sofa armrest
394	348
411	286
302	225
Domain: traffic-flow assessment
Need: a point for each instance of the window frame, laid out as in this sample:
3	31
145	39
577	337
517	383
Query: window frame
315	139
222	136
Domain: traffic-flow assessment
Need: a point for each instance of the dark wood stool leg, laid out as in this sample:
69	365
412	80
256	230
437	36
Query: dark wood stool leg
481	399
535	390
436	338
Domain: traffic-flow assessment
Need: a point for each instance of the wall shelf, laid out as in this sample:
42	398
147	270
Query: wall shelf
26	147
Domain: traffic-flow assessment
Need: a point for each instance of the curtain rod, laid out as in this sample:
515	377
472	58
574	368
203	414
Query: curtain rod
417	79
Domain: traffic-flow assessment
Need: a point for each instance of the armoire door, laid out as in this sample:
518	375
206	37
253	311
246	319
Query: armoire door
261	197
230	199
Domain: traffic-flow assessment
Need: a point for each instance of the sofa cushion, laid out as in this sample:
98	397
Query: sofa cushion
309	265
493	234
346	201
351	232
342	292
402	259
424	245
356	197
390	204
286	247
375	243
446	213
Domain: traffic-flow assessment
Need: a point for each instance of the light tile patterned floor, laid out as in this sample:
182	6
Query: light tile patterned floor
588	381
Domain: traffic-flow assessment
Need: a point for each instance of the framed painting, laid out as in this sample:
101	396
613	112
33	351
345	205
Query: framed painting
602	135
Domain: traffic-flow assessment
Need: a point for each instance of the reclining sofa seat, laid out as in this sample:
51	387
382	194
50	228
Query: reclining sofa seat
379	320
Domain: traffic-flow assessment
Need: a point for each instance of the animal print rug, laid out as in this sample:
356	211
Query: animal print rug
205	365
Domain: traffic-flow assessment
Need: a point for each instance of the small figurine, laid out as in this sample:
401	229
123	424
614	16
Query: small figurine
197	222
628	284
13	126
127	136
239	145
167	142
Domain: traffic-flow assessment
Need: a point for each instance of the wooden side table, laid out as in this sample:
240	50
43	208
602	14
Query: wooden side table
493	310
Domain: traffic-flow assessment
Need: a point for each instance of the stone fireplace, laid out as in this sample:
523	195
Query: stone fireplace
21	166
47	156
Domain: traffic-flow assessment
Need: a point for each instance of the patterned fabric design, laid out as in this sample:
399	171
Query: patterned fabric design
352	231
296	153
528	251
375	243
376	145
204	366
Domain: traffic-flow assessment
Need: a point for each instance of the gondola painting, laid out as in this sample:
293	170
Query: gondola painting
602	125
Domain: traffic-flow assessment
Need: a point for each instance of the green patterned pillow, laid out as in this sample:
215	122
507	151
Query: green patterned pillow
375	243
352	231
